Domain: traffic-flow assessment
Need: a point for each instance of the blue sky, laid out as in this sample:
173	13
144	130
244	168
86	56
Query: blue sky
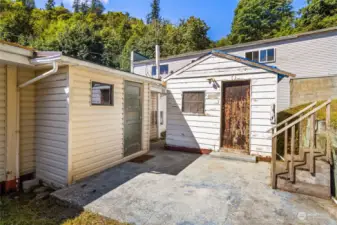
218	14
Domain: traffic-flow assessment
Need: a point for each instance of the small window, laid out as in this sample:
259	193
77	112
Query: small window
161	117
253	56
101	94
267	55
164	70
193	102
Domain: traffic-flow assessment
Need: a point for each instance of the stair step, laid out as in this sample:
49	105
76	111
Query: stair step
319	191
232	156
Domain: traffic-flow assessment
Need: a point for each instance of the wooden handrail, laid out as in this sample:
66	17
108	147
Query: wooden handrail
302	118
293	116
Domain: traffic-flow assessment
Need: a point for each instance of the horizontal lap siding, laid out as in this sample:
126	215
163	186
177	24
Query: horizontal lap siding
2	123
27	122
96	131
203	131
51	129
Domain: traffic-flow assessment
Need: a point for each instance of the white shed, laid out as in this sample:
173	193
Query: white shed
223	102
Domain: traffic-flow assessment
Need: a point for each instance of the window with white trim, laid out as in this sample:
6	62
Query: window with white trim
263	55
101	93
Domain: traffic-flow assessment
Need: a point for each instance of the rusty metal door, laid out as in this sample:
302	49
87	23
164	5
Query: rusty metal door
236	115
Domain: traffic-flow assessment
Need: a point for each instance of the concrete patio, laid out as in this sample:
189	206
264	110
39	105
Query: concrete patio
182	188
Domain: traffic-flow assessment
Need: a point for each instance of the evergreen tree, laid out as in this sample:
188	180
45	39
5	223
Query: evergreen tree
62	5
317	14
261	19
84	7
50	4
76	6
97	7
154	15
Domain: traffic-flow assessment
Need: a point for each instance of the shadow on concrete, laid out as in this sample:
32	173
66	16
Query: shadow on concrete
96	186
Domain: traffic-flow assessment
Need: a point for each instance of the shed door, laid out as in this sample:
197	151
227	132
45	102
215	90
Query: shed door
236	115
2	122
133	118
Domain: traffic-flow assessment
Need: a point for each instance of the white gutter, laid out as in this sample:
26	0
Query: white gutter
46	60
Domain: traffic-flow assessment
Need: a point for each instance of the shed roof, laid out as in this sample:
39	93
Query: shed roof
222	54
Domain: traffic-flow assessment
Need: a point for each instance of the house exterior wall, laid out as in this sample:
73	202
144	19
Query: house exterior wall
315	89
306	56
96	133
2	123
203	131
51	128
27	122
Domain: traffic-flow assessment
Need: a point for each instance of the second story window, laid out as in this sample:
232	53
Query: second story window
253	56
263	56
164	70
267	55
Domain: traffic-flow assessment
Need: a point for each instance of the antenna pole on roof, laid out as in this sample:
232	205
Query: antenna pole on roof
132	58
157	62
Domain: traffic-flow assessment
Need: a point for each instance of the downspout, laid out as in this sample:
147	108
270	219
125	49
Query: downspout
44	75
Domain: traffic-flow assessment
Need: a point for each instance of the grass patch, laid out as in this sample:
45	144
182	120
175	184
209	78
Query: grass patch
25	210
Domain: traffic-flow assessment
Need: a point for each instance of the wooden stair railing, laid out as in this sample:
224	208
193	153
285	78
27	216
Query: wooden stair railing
305	156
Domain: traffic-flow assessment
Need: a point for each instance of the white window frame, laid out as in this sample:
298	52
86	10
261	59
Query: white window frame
263	49
266	61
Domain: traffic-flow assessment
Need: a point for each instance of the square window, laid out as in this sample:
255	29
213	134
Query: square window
263	55
271	55
253	56
164	70
193	102
101	94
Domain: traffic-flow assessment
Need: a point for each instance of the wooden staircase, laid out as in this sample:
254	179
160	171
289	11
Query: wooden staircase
294	166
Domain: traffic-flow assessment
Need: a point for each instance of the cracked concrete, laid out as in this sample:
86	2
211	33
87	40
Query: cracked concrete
181	188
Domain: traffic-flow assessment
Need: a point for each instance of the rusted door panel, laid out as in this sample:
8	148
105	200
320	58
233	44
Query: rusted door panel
236	115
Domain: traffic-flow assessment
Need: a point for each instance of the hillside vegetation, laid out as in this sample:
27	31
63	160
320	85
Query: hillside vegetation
90	32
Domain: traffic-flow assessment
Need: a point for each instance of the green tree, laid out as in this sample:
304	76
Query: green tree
317	14
97	7
154	15
29	4
15	23
76	6
50	4
261	19
84	7
81	41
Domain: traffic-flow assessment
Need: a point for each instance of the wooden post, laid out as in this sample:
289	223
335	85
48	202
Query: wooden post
286	146
312	144
328	140
292	158
273	163
300	134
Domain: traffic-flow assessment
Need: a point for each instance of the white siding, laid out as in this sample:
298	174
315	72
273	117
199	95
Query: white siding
2	123
27	122
96	132
306	56
283	94
203	131
51	131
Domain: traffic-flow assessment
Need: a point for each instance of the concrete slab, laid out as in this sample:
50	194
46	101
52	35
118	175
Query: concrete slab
182	188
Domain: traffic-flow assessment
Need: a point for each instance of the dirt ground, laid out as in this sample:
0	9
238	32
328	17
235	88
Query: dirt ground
23	209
